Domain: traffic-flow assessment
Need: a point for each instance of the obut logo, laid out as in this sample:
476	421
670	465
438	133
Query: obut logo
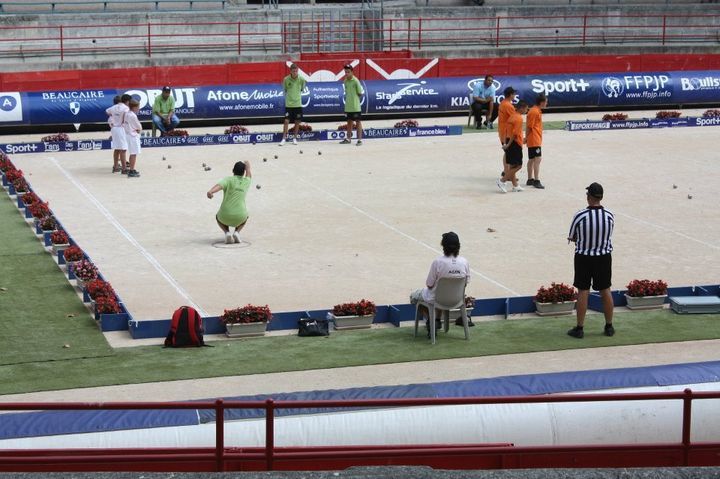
183	97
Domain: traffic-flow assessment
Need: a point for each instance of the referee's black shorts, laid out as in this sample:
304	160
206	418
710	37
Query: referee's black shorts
593	270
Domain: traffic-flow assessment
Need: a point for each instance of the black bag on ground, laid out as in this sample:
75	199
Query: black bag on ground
313	327
186	329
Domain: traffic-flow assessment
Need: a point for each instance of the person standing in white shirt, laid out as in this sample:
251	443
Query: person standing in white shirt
117	130
450	265
133	129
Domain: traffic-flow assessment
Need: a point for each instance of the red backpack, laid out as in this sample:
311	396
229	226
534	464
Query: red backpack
186	329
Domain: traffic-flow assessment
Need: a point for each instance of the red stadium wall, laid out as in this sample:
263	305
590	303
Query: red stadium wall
384	66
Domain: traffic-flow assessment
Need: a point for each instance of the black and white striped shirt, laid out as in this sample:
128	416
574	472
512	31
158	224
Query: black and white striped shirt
592	230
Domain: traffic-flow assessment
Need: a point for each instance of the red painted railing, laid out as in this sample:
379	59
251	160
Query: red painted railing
455	456
326	36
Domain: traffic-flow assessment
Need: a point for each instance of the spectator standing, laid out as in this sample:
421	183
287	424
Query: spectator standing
133	128
353	94
163	112
484	103
533	135
591	230
293	85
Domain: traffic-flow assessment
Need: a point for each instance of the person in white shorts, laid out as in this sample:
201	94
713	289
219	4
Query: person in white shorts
119	139
133	129
450	265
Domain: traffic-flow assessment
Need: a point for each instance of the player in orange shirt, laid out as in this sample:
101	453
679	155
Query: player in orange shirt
533	136
505	110
514	147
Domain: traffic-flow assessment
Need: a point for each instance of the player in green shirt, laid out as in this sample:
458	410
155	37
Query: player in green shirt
293	85
353	94
233	212
163	112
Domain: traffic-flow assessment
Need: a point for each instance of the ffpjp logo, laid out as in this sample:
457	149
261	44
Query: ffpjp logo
10	106
612	87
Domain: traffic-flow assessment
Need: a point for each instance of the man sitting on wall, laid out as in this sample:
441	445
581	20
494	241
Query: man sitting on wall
163	112
484	103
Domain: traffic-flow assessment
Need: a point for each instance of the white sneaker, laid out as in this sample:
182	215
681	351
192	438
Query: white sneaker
235	237
282	142
228	238
500	184
518	188
295	141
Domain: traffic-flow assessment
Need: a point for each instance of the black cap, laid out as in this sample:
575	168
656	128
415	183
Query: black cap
509	91
595	190
450	239
166	88
348	67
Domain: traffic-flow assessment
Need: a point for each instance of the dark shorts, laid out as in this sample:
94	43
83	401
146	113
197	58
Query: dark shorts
593	269
293	114
534	152
514	154
352	116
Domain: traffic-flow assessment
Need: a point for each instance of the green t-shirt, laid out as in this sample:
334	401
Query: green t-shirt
163	107
293	88
232	211
353	91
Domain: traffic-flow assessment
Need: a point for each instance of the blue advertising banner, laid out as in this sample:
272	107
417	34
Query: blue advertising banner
382	97
642	123
230	139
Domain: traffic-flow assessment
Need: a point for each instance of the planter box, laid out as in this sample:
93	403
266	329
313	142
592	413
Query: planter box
352	322
57	248
245	330
645	302
555	309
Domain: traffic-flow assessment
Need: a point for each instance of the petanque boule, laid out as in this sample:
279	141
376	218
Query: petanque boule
169	166
276	157
258	186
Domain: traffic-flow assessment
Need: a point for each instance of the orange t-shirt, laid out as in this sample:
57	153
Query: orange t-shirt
534	127
514	128
505	110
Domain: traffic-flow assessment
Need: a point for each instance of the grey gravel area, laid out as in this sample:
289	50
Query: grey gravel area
409	473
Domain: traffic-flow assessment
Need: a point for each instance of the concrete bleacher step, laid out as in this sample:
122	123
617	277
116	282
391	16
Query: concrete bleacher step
695	304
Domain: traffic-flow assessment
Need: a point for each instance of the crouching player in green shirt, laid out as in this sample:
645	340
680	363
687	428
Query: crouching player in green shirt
233	212
353	94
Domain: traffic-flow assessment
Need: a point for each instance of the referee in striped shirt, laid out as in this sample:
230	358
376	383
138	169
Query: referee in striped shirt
591	231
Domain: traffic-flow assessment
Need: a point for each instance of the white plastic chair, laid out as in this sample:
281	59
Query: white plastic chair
449	294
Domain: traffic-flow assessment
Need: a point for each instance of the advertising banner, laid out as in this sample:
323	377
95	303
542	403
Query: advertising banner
641	123
382	97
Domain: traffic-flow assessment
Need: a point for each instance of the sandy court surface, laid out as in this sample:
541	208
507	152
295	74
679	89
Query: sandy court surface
365	222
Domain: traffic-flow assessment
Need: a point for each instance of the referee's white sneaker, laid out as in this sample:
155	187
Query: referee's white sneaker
501	184
518	188
294	141
282	142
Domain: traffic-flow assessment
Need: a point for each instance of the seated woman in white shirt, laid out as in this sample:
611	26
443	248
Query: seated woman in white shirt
450	265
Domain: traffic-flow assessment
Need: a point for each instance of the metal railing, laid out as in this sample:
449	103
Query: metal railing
322	36
104	6
270	457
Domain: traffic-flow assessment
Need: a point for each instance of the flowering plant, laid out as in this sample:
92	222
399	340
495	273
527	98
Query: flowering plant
47	223
645	287
55	138
72	254
59	237
12	175
85	270
343	126
30	198
177	132
556	293
407	124
237	129
5	163
20	185
363	307
246	314
469	302
667	114
615	117
39	209
98	288
711	113
304	128
106	305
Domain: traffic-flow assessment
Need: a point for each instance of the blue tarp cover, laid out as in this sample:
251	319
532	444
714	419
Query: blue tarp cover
72	422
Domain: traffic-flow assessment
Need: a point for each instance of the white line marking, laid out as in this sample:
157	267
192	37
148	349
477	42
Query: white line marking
654	225
390	227
151	259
